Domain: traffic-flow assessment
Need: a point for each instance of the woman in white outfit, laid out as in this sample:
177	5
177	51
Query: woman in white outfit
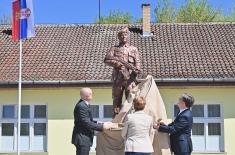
137	130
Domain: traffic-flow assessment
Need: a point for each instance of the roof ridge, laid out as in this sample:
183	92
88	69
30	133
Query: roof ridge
131	24
135	24
198	23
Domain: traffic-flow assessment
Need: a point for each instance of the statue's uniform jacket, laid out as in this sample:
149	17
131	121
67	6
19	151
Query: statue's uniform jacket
129	54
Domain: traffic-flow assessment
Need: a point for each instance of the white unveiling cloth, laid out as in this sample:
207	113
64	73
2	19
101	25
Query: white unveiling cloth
111	142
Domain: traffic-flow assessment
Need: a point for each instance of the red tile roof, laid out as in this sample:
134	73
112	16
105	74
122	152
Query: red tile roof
76	52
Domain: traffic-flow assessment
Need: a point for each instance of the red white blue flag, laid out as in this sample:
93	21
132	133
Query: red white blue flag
22	20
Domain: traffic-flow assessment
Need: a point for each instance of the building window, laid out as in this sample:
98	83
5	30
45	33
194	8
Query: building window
7	136
39	111
207	131
33	132
25	111
108	111
95	110
198	111
8	111
101	112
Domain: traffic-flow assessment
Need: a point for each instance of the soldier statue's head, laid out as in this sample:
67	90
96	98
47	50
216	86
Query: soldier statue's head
123	35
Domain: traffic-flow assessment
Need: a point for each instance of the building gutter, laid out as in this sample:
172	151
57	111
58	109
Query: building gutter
157	80
57	82
194	80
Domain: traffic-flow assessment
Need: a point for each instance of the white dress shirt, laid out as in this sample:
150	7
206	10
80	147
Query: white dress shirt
86	102
181	110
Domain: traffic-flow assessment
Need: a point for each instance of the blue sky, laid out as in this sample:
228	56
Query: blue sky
86	11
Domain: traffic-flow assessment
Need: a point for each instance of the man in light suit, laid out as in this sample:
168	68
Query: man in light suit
180	129
84	125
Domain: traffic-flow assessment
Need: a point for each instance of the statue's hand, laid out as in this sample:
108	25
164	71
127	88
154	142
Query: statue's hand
116	110
119	65
123	67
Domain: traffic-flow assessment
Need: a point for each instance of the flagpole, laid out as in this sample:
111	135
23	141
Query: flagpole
20	99
22	15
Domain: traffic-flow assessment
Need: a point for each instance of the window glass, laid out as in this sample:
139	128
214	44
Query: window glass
95	110
198	129
39	129
8	111
108	111
214	129
7	129
40	111
213	110
24	129
25	111
176	110
198	110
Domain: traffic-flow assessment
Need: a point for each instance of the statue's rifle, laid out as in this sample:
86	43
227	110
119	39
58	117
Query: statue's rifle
125	72
126	64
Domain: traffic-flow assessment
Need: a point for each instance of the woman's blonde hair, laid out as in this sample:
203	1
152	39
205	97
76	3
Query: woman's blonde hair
139	103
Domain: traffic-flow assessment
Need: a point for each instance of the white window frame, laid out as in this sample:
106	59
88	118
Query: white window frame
101	113
205	120
31	120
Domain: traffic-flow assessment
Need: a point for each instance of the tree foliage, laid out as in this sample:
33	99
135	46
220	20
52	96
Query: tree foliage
165	12
116	17
197	11
192	11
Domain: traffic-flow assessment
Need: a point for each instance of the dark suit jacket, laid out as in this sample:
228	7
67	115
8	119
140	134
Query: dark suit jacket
180	132
84	125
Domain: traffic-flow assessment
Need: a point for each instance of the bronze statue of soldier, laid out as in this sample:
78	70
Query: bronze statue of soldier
126	63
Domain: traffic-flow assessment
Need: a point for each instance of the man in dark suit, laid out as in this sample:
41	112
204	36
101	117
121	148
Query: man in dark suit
180	129
84	125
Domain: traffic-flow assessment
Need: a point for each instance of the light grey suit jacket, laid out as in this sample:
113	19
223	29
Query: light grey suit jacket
137	132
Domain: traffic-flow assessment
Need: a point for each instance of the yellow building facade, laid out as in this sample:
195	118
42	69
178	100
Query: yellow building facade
210	132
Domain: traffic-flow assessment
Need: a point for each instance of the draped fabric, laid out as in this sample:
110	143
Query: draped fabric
111	142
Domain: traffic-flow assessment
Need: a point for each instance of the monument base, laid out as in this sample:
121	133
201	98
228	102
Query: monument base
112	143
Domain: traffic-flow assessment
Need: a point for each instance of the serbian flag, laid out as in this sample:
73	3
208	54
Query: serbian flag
22	19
